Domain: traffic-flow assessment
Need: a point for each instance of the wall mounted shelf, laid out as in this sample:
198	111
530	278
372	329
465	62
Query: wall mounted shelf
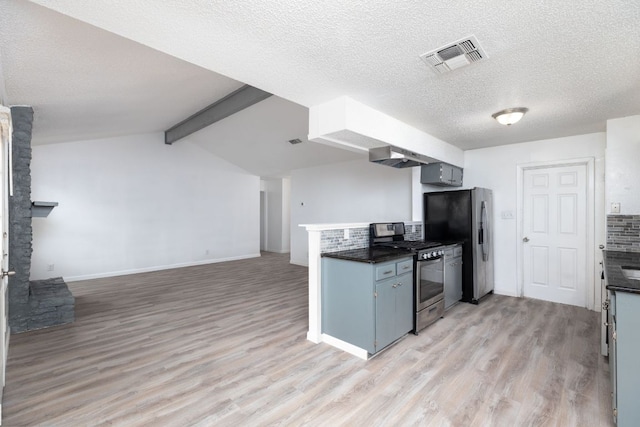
42	209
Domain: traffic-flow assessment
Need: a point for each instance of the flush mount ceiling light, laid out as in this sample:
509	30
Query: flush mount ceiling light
509	116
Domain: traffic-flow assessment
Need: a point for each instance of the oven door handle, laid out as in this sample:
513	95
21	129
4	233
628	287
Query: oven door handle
430	261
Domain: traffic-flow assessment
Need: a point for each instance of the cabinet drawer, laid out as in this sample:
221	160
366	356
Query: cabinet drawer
431	313
404	267
385	271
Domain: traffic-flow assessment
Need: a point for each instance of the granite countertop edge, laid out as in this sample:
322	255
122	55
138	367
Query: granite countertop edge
368	256
377	254
613	263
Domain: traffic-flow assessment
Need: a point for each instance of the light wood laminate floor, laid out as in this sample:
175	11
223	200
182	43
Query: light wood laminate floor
225	345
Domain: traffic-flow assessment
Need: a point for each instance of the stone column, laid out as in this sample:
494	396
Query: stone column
20	220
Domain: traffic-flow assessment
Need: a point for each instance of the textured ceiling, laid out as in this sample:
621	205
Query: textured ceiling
84	82
574	64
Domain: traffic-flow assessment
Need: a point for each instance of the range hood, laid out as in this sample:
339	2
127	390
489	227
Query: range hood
397	157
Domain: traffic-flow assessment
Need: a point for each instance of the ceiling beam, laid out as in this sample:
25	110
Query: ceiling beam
236	101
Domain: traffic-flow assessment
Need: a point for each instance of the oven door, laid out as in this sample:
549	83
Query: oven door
429	282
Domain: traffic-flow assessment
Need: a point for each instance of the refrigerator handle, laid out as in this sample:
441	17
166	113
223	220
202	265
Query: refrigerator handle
483	221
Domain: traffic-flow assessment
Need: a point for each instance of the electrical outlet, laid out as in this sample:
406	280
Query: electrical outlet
346	233
51	267
615	208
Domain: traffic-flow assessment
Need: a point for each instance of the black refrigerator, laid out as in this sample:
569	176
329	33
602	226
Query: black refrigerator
464	216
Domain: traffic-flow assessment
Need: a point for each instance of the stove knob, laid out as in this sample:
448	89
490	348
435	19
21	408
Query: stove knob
441	253
424	256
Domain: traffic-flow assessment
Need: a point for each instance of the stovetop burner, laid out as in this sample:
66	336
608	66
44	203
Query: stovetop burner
411	245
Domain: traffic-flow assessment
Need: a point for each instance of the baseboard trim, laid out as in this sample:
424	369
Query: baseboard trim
505	293
156	268
345	346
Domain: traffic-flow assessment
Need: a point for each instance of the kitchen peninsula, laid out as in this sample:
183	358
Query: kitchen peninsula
367	297
324	238
332	238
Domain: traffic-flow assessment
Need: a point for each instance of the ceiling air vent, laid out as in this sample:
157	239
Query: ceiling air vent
454	55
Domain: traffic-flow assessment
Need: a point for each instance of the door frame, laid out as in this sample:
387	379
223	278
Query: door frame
6	134
589	163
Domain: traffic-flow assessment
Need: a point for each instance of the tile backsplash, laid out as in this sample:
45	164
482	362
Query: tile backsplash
623	233
334	241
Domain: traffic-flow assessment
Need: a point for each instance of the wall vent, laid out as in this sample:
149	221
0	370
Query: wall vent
454	55
295	141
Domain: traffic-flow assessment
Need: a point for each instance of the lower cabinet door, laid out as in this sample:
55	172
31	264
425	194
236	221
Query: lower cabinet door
452	281
385	313
404	305
394	309
613	369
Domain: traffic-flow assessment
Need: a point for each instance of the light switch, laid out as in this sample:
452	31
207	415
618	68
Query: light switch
507	215
615	208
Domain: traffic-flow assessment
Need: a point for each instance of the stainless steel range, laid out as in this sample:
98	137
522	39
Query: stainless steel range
429	270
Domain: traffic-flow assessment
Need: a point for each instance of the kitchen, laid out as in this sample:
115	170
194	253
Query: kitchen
620	133
318	193
620	139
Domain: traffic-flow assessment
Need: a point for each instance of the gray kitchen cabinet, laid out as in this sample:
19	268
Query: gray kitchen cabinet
441	174
624	351
452	275
367	305
393	300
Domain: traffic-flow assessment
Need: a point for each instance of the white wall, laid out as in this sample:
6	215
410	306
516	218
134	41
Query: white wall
622	170
356	191
277	198
133	204
286	215
496	168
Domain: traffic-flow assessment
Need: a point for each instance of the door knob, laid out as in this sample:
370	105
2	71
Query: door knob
8	273
525	239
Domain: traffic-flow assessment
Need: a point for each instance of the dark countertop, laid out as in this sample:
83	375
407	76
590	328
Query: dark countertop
451	242
613	263
370	255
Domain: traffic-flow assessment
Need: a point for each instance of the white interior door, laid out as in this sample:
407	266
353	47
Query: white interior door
555	234
5	136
